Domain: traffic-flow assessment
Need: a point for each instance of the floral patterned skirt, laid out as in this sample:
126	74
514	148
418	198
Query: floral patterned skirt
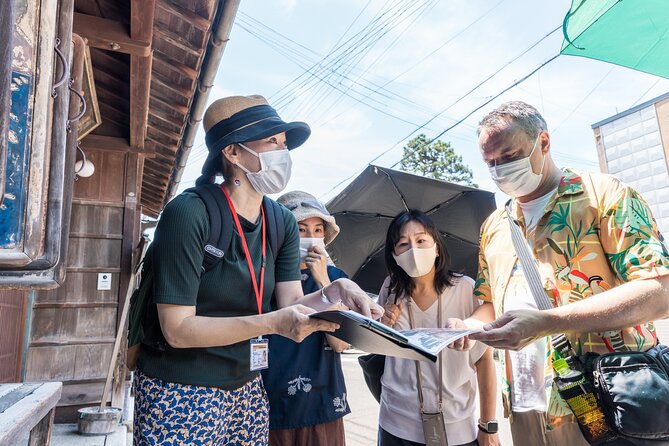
168	413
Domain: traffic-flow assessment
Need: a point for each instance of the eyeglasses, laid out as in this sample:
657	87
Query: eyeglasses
314	204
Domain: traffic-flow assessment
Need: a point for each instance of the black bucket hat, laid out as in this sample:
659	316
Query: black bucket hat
238	119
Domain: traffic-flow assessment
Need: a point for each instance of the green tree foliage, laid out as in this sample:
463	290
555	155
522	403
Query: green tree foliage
435	159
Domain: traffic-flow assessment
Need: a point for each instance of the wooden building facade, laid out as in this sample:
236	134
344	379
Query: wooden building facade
68	243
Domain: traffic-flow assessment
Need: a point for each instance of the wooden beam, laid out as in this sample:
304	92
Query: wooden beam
140	89
166	62
178	41
141	28
159	121
155	144
105	143
109	35
173	107
159	113
154	196
112	144
194	19
160	80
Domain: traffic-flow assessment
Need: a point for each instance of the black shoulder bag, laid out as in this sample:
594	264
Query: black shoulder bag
619	398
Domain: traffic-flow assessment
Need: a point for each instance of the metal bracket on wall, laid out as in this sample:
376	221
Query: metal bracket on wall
66	69
82	109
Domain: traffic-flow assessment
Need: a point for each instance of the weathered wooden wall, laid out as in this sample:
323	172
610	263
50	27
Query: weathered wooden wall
74	326
13	304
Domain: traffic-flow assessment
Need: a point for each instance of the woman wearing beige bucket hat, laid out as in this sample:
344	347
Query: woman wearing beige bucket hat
203	386
305	382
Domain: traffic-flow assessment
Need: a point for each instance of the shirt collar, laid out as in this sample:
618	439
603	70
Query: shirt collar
570	184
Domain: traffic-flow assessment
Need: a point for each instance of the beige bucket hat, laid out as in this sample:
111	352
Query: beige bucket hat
245	118
304	205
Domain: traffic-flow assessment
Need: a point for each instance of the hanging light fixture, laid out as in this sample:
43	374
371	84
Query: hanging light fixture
84	167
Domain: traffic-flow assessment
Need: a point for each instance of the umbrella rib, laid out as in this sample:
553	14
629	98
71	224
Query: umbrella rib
396	189
367	260
447	202
460	239
362	214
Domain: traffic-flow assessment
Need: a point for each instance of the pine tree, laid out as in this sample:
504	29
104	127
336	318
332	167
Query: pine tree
435	159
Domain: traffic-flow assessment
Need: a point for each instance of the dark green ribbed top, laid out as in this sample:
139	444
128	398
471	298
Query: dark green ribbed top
224	291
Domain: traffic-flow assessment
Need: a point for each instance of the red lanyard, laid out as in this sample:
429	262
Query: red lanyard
258	291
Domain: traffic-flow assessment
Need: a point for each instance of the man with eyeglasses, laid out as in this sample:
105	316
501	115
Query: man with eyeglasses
601	260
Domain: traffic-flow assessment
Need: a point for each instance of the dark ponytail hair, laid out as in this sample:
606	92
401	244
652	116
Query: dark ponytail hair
401	284
205	179
219	166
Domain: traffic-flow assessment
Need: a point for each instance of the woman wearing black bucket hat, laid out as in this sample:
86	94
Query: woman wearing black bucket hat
203	386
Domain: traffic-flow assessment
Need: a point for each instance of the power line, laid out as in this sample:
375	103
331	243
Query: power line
420	13
295	56
353	95
569	115
523	79
425	57
450	127
358	47
281	91
645	92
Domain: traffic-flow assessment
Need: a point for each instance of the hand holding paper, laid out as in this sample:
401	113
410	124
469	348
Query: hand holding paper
373	337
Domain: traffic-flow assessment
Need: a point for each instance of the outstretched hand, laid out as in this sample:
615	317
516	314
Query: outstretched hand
293	322
351	295
514	329
463	344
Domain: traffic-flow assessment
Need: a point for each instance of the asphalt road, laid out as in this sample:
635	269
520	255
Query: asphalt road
361	424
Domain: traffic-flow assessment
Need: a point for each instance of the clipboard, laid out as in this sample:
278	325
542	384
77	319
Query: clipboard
373	337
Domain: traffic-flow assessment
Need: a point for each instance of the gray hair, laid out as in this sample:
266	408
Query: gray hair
524	115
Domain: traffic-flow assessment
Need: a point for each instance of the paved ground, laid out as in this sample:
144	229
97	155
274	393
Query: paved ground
66	435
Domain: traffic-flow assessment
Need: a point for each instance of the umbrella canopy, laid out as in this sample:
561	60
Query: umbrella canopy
632	33
366	207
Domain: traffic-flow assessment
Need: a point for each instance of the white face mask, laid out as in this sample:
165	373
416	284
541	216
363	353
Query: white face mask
274	173
307	242
517	178
417	262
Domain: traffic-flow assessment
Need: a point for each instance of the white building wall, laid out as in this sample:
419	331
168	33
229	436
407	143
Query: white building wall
634	154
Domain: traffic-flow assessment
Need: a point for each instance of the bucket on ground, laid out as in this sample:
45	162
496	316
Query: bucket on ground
97	421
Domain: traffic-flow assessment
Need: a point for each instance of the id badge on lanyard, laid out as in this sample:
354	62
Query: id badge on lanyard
259	358
258	347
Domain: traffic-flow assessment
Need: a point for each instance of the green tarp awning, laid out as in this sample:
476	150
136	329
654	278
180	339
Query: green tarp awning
631	33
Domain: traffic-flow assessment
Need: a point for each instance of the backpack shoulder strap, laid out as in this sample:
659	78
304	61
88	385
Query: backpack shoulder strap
220	223
275	224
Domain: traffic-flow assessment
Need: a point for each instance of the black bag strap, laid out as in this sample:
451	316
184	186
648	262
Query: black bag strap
275	224
222	225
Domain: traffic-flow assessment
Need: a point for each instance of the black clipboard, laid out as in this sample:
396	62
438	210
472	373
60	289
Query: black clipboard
373	337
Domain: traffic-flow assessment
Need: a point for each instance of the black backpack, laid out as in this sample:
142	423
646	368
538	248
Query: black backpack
146	330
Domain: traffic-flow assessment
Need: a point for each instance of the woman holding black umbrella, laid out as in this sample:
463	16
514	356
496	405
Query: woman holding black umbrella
423	403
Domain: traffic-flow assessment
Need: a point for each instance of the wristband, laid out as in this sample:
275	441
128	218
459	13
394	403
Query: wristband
489	427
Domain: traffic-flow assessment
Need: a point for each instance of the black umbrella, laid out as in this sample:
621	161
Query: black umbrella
366	207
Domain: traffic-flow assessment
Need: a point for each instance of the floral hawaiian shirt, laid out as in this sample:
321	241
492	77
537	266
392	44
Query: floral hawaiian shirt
595	233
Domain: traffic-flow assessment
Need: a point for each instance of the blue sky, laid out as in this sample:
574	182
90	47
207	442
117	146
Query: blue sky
425	55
